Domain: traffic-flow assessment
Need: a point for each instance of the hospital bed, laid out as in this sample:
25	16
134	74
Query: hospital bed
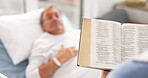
14	34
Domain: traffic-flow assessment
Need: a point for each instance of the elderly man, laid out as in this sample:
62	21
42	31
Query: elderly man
53	53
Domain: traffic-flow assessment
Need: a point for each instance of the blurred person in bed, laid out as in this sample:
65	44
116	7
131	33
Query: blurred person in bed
54	53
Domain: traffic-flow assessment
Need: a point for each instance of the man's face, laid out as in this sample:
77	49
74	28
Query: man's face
52	22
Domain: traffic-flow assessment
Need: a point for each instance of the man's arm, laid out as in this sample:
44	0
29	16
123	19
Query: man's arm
47	70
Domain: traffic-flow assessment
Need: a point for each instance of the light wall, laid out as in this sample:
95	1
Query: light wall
95	8
31	5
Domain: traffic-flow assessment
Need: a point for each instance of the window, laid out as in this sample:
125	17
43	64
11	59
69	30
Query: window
11	7
71	8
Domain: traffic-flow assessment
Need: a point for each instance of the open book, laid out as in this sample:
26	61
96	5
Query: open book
105	44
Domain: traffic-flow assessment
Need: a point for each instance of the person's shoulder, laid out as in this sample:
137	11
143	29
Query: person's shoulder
43	37
75	31
39	43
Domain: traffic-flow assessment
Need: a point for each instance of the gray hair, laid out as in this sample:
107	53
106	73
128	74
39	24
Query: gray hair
41	17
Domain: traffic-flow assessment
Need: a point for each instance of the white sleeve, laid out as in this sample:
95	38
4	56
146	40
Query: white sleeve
36	59
32	69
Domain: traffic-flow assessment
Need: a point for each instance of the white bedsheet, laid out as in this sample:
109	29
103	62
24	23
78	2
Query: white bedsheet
47	46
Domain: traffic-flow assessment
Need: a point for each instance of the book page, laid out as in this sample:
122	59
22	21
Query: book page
105	43
134	40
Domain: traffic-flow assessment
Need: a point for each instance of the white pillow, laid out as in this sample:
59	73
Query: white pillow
18	32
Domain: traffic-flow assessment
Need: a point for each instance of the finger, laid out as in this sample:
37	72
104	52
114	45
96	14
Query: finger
70	51
74	52
72	47
62	46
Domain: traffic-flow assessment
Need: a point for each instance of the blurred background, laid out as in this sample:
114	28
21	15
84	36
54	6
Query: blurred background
135	11
77	9
71	8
